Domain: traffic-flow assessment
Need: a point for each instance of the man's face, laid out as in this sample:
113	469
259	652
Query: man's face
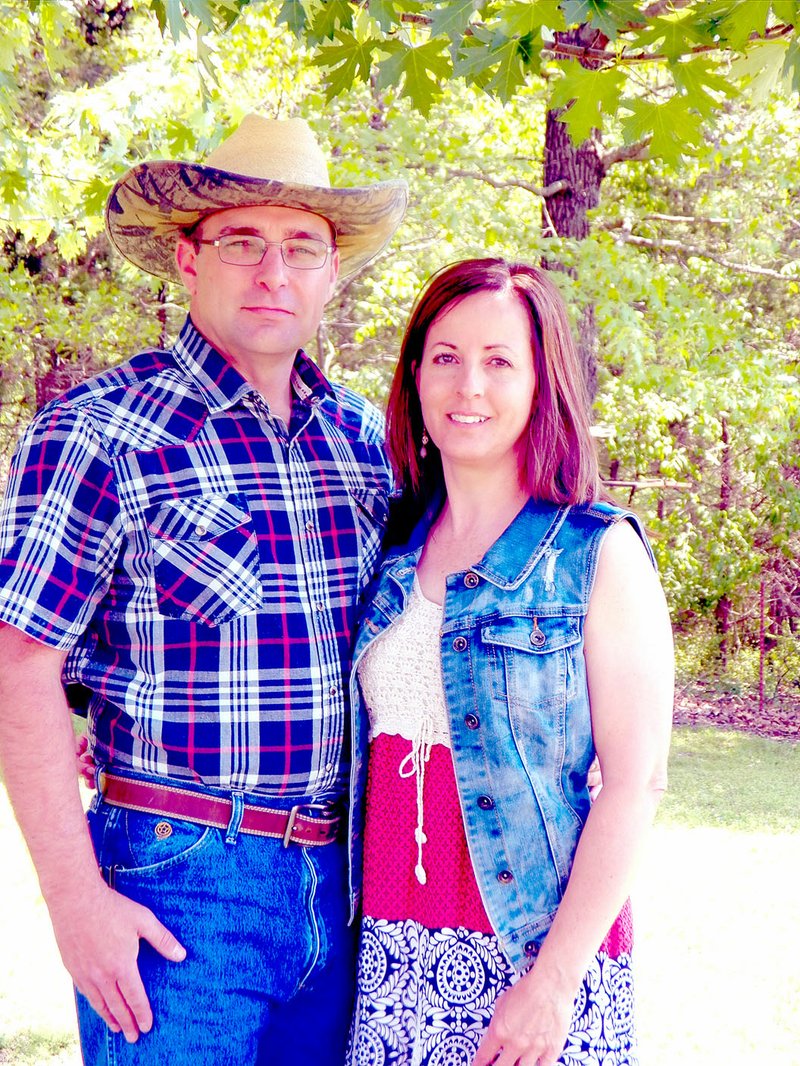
253	314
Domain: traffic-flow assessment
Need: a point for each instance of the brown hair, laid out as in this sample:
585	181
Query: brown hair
559	463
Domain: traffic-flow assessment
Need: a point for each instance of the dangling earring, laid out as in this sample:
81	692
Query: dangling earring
423	451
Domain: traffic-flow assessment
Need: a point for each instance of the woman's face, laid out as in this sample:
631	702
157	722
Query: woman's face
476	381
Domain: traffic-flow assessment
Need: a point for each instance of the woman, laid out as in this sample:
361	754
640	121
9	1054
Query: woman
519	630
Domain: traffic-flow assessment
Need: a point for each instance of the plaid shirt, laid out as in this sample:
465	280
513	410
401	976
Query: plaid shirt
201	566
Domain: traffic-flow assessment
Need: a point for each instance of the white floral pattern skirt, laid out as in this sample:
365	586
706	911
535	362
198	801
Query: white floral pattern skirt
430	968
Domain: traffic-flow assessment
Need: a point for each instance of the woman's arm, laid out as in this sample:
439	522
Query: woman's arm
628	651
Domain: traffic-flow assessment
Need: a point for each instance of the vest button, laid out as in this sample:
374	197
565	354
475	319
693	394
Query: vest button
505	877
471	580
472	721
486	803
460	644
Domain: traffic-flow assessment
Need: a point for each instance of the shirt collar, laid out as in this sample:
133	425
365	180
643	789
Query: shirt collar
220	383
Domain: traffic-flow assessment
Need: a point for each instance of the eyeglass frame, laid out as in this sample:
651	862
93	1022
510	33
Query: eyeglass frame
329	248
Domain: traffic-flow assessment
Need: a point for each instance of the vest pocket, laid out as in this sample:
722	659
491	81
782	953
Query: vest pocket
205	558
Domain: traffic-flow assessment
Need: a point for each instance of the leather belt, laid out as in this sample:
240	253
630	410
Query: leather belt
294	826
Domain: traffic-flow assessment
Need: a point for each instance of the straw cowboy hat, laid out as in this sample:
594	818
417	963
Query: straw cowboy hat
264	161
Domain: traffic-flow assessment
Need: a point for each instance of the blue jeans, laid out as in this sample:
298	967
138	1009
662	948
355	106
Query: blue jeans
269	975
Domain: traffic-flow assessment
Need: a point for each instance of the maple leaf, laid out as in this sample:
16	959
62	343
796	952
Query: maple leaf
345	62
588	95
675	128
419	70
521	19
451	18
609	16
701	83
673	36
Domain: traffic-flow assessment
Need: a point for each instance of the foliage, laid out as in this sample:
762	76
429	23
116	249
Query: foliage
690	270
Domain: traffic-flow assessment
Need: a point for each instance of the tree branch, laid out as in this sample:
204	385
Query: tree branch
663	244
626	152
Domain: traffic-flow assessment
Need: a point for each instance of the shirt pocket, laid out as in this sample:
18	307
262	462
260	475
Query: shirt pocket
371	511
205	558
532	659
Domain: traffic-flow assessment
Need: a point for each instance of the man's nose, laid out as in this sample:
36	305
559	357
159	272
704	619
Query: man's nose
271	271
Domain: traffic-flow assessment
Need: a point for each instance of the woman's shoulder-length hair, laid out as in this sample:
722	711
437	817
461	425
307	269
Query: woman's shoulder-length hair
558	460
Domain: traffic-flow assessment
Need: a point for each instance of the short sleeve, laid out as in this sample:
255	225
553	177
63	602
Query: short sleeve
60	527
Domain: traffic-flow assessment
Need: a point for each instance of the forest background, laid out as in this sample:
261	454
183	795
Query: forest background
646	152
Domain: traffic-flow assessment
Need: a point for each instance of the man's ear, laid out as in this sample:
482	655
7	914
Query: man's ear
185	257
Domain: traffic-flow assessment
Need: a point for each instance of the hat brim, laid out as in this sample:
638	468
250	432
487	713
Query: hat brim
154	202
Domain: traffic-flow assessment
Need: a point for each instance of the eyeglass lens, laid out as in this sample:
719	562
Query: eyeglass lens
303	253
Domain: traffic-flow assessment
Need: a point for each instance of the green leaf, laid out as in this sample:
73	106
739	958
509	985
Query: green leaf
701	82
675	129
520	19
791	65
589	95
674	36
175	19
607	15
95	196
421	71
384	12
327	17
762	68
201	10
345	62
786	11
451	18
293	15
510	73
746	19
13	186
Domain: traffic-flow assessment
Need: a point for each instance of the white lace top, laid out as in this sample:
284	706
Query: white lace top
401	679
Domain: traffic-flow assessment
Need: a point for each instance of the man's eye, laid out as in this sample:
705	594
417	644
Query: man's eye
302	249
239	243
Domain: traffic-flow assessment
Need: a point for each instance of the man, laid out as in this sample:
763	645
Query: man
183	542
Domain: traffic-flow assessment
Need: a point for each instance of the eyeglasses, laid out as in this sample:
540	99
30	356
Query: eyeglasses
244	249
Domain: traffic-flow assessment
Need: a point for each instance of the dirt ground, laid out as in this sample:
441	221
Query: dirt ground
698	705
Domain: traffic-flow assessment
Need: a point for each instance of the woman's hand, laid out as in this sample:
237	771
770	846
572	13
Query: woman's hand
85	762
530	1023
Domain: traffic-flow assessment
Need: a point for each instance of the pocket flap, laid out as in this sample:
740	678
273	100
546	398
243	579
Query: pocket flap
198	517
535	634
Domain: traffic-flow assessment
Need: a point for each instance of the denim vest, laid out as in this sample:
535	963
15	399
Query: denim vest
516	693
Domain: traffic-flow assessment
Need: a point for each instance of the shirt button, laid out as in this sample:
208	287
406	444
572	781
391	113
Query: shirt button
319	607
505	877
333	690
486	803
201	530
530	947
310	525
460	644
471	580
472	721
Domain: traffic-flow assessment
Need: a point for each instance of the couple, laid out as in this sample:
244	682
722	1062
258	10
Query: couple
188	551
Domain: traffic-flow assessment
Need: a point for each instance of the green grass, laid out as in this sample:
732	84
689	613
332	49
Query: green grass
732	781
715	905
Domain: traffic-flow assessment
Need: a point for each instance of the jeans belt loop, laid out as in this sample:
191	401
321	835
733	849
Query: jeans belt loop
237	813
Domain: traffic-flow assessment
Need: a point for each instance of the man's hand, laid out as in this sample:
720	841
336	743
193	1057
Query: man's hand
85	762
99	943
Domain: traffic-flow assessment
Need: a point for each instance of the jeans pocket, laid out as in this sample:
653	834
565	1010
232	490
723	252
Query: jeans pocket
205	558
147	844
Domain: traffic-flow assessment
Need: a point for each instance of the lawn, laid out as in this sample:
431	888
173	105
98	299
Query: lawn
717	919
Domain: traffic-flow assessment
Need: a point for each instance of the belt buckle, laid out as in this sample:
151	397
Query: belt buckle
287	833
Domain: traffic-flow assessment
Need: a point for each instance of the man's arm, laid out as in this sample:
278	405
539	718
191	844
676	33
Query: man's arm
97	929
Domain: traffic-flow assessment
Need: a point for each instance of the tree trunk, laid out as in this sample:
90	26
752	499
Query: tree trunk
565	214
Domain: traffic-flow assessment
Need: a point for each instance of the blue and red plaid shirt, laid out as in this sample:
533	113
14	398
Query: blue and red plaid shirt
201	566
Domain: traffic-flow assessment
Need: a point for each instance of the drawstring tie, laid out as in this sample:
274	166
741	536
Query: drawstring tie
414	763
